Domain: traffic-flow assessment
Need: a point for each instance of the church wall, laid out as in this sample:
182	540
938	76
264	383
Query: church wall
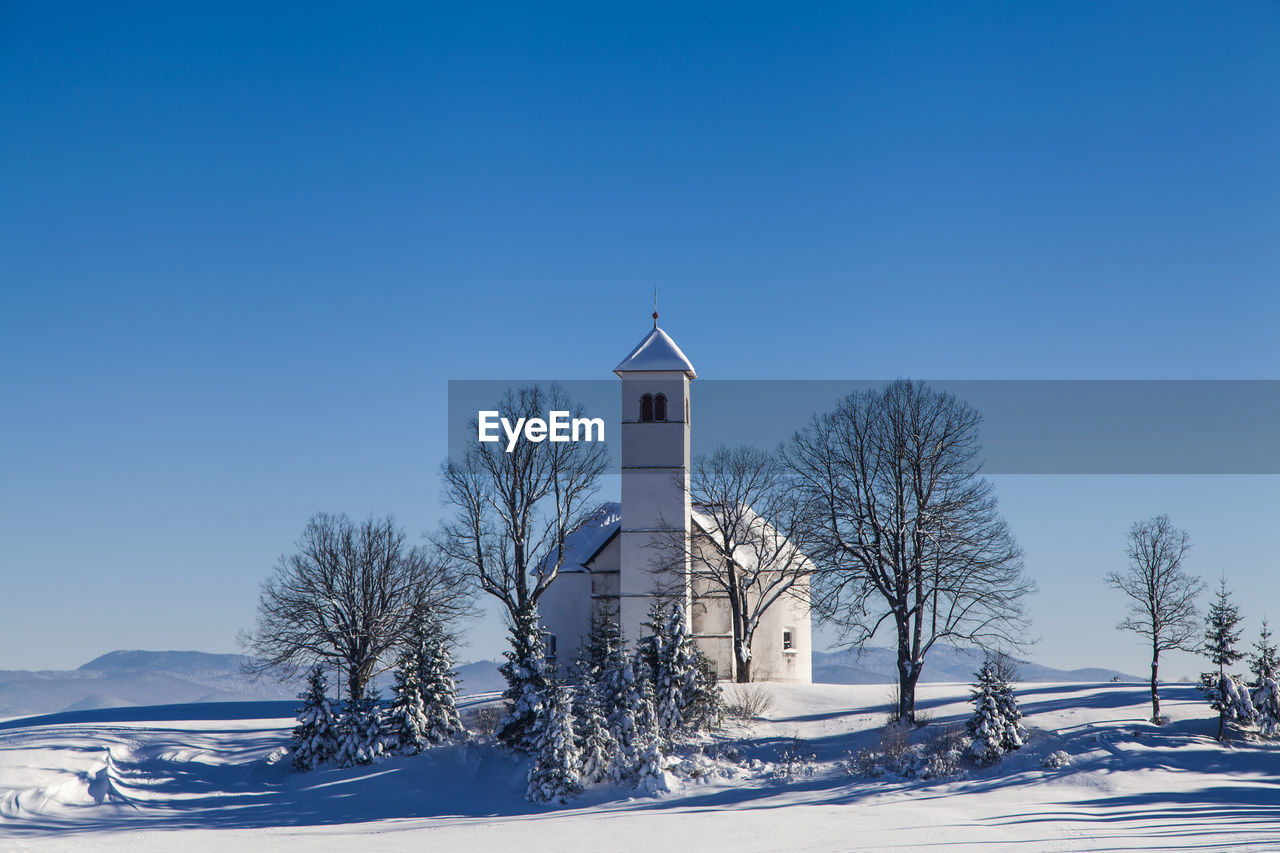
565	610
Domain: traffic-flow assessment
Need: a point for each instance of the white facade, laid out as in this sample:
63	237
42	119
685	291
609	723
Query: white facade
618	561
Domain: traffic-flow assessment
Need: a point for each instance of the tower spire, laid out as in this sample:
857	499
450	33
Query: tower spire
655	307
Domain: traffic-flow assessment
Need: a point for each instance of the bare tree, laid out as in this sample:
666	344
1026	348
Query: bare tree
745	550
905	531
514	509
1162	597
350	595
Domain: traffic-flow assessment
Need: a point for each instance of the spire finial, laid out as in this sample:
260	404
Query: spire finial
655	307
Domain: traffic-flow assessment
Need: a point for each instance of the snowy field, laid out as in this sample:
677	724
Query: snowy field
208	777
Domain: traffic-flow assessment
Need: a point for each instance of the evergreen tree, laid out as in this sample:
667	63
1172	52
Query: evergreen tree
1264	661
555	771
528	683
438	685
648	751
1266	706
315	738
1222	632
596	744
996	724
684	701
625	714
605	636
707	708
362	730
1229	696
1266	691
407	719
1006	672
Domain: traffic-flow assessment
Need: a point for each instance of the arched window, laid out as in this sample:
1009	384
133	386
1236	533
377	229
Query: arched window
660	407
646	408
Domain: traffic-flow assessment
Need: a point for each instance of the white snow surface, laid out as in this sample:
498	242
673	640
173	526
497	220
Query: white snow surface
657	352
213	777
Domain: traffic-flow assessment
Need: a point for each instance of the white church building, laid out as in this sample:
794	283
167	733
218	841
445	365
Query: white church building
614	561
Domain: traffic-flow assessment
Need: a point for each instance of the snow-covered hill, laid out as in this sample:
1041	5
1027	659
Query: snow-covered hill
130	678
943	664
210	777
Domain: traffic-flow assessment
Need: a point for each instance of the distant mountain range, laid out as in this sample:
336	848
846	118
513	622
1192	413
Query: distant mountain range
128	678
943	663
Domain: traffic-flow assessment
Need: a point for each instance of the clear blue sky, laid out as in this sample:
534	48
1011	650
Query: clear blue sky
244	246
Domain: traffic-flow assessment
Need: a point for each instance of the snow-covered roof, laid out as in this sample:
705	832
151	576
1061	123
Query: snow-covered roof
655	353
585	540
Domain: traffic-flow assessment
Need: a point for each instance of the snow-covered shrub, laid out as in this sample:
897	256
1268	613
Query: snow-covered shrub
485	720
527	683
939	757
746	702
895	740
1055	760
315	738
362	735
554	774
942	755
795	761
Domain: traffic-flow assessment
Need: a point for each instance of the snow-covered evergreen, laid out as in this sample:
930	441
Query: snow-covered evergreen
625	714
438	685
315	738
362	731
1265	694
555	771
1266	706
596	744
648	773
1229	696
683	700
1264	662
1225	693
528	684
996	724
406	718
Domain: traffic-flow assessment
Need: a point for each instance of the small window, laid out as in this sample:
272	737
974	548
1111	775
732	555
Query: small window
788	639
646	408
549	647
660	407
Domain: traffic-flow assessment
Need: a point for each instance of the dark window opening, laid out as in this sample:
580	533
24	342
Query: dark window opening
646	408
660	407
788	640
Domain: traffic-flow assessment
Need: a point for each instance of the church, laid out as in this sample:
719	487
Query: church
614	561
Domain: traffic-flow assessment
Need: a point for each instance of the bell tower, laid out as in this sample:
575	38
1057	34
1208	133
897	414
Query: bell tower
655	476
